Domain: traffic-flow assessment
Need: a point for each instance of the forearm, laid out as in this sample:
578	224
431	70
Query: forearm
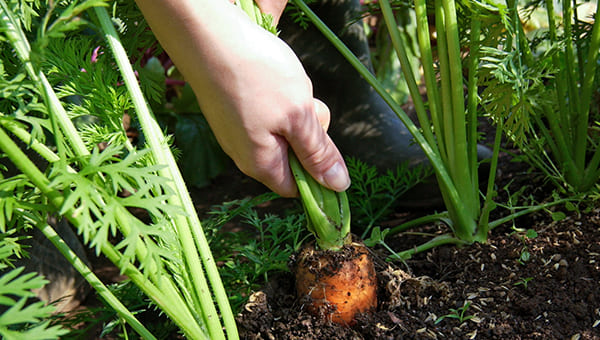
198	35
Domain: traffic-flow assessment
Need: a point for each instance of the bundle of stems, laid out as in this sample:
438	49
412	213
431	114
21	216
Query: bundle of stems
169	260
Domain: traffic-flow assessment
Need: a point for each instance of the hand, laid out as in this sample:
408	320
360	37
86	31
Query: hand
252	89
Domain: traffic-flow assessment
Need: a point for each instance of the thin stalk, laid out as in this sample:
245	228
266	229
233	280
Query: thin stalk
578	42
578	150
444	75
433	243
591	64
473	100
565	156
561	80
587	88
418	221
95	282
592	172
483	226
528	210
398	43
546	132
34	144
189	228
435	105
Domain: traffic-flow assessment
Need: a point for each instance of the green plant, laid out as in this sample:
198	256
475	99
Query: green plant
261	248
373	195
524	281
457	313
21	320
523	235
168	258
542	87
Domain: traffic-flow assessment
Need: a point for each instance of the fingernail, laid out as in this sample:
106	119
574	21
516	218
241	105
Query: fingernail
337	178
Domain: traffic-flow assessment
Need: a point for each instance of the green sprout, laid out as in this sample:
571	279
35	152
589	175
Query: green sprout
524	281
457	313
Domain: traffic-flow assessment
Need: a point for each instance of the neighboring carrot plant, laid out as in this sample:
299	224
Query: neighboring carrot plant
167	257
542	85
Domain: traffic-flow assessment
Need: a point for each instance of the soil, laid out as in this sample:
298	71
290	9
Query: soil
546	286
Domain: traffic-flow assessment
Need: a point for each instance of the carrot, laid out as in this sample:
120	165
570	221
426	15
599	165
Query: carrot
337	285
335	277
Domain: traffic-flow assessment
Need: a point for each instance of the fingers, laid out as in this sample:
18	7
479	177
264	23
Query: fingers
315	150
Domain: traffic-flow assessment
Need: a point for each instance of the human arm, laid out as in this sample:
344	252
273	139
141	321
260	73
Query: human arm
252	90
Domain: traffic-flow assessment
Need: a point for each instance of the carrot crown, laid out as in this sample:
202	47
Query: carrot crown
327	211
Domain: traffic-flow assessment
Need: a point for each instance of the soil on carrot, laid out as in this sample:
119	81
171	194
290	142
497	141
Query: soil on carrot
542	285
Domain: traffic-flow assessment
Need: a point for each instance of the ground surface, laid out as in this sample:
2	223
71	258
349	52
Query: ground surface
552	294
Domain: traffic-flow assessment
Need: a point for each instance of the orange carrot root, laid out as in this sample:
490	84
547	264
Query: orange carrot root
337	284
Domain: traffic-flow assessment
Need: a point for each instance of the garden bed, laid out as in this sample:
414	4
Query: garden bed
551	293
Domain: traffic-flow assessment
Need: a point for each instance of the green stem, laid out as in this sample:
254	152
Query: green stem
587	88
444	76
433	96
473	100
577	149
591	64
483	226
95	282
433	243
418	221
189	228
398	43
528	210
34	144
560	78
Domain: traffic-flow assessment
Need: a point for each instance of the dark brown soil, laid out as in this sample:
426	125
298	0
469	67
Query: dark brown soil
553	294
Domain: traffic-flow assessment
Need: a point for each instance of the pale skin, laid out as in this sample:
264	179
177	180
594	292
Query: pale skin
251	88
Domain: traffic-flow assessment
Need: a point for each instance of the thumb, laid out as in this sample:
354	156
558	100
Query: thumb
316	151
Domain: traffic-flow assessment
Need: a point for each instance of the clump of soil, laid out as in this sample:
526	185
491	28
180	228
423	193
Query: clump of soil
516	286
